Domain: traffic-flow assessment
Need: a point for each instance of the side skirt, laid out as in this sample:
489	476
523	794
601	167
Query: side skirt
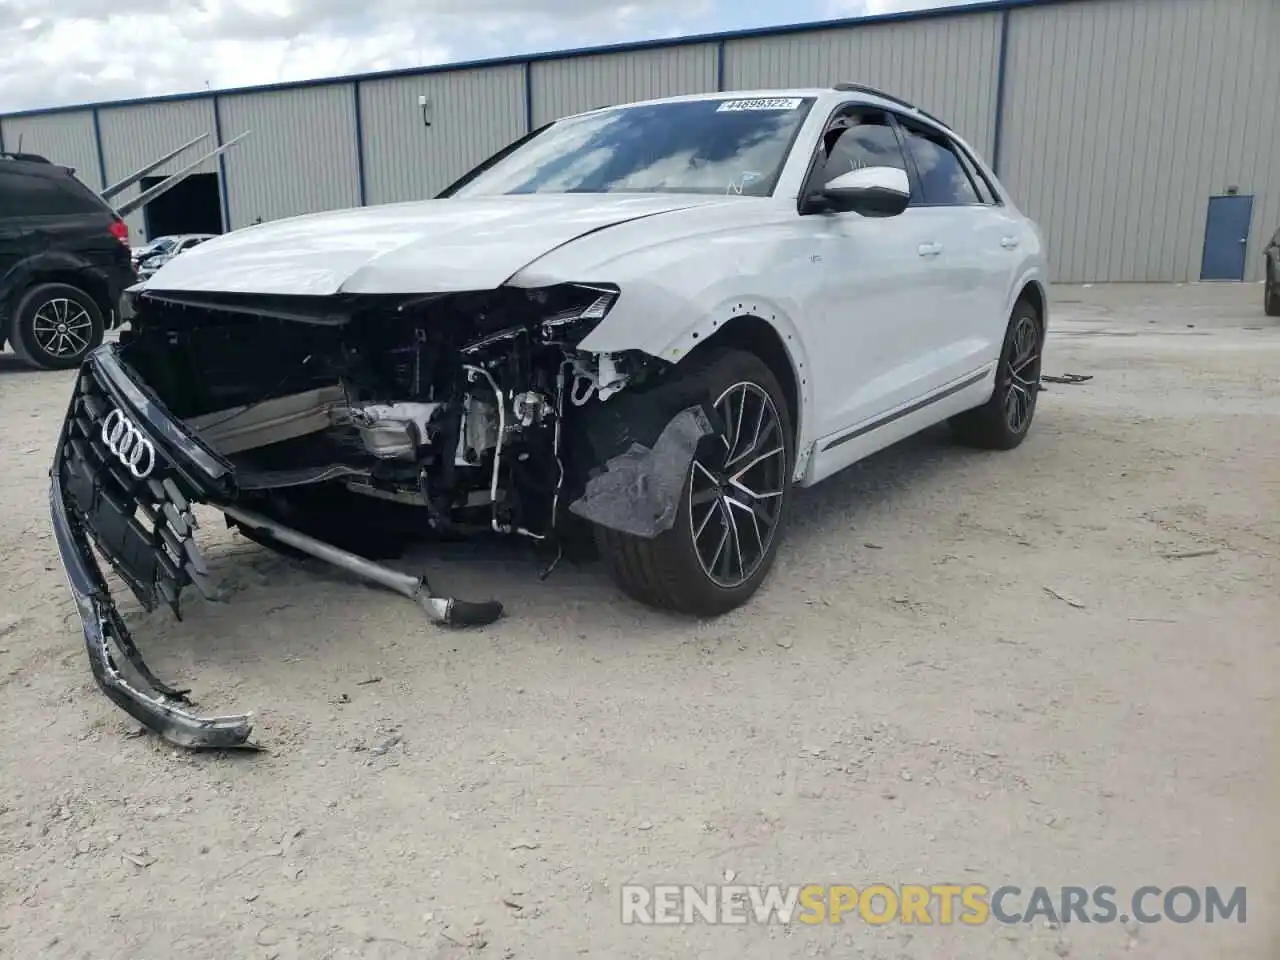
846	447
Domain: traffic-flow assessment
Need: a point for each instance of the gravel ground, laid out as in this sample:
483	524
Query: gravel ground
967	667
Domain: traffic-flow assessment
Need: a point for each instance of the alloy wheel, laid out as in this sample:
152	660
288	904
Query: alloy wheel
736	490
62	328
1021	374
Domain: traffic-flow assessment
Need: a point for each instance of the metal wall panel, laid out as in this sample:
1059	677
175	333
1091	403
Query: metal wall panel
134	136
300	158
1124	116
575	84
948	66
65	138
473	114
1121	119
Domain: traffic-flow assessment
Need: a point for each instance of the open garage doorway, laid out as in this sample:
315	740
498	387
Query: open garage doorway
193	206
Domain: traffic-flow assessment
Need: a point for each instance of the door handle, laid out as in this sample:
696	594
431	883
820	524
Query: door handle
1009	243
930	249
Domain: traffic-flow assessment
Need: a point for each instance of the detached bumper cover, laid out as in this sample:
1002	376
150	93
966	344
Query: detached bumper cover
143	526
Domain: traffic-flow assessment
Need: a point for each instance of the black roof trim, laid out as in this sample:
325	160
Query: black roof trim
846	87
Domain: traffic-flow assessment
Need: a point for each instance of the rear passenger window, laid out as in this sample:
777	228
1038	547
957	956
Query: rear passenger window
14	200
75	197
943	177
34	195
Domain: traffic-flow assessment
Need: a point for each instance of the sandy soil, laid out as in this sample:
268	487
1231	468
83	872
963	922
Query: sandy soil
906	701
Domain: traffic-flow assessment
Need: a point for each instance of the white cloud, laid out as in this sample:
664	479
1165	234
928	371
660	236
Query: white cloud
94	50
112	49
872	8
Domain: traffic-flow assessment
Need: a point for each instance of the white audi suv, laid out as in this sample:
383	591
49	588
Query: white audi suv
647	324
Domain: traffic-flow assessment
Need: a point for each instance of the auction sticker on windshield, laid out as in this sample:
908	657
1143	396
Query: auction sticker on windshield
765	103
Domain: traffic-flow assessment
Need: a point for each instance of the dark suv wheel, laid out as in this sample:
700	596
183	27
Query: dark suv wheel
733	507
55	325
1003	421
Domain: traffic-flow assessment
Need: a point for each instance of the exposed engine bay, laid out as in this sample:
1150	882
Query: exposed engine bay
455	405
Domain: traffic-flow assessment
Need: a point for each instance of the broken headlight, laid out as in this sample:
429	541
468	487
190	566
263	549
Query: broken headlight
574	309
128	306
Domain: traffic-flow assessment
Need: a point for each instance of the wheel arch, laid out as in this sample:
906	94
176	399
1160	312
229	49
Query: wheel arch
778	349
54	269
1034	293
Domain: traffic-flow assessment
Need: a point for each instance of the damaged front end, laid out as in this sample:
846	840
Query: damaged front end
342	428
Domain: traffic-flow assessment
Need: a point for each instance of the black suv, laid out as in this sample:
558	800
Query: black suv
64	262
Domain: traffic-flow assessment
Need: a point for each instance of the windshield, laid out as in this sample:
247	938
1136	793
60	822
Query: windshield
729	146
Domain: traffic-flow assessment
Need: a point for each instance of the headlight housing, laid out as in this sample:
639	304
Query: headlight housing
574	309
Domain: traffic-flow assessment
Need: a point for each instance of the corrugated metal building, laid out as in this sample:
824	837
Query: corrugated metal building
1131	129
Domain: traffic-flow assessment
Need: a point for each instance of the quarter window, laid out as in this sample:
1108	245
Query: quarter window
986	190
34	195
944	180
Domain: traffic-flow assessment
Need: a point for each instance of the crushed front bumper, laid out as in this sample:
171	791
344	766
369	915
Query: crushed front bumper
140	520
124	477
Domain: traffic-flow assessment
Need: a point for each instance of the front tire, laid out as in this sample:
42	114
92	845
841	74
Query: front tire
1271	293
1003	421
55	326
733	505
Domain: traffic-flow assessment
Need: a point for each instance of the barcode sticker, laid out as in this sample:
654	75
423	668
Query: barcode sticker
766	103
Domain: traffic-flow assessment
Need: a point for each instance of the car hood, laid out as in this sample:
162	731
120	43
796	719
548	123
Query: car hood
431	246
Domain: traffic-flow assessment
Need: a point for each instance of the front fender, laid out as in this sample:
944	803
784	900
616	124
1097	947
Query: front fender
630	326
659	321
684	276
683	273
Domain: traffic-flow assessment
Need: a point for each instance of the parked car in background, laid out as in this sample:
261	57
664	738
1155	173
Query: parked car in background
164	249
1271	287
647	324
64	262
140	253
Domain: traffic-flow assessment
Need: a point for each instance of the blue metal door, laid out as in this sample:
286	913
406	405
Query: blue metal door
1226	236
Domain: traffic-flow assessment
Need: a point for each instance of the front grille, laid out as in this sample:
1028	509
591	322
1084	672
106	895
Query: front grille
142	525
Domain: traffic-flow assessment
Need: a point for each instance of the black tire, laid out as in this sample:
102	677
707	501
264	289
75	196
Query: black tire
1271	293
1003	421
668	571
55	326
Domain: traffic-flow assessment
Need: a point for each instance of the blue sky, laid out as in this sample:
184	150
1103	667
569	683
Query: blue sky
111	49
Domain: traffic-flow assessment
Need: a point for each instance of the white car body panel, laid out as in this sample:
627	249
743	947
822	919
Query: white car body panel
890	323
833	453
427	246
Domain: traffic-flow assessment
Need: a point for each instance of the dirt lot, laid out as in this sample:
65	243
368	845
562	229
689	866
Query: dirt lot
972	668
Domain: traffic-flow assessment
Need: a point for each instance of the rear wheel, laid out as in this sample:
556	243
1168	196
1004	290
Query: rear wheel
56	325
1271	293
733	507
1003	421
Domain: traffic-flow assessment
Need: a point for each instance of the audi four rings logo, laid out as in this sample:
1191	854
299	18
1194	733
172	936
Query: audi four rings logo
128	444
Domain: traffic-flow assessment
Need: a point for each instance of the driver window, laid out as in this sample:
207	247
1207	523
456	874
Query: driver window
863	139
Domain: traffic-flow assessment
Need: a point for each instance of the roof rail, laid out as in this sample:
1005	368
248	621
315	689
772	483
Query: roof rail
845	87
27	157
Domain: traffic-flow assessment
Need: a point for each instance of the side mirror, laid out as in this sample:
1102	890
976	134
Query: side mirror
871	191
